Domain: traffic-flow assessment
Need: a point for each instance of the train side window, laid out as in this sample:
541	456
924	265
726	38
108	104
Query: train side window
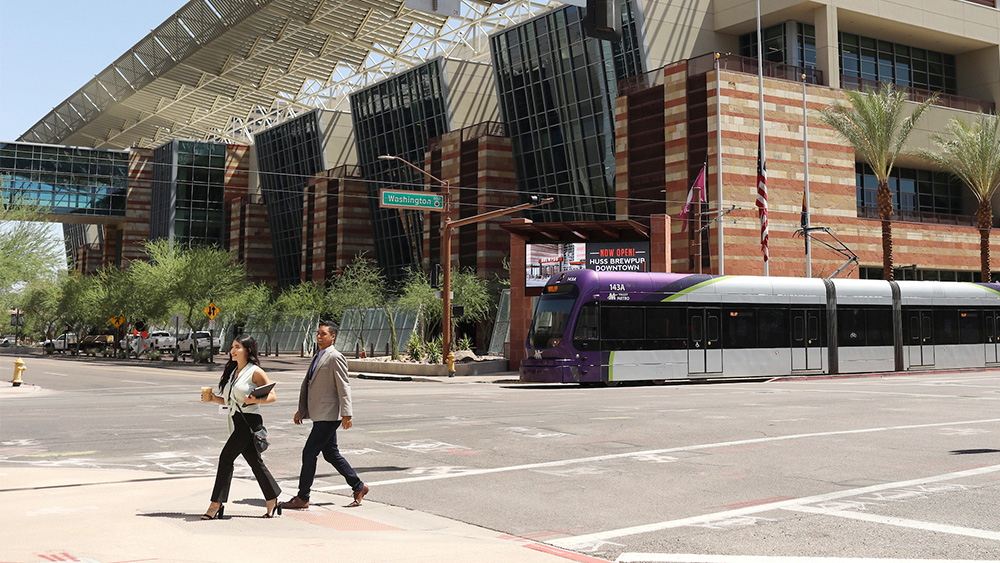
851	328
927	327
879	323
739	328
587	335
622	328
773	327
970	327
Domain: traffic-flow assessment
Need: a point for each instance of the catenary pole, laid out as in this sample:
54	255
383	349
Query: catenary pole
718	161
805	194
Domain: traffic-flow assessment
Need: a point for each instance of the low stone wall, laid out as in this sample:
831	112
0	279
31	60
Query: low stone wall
428	370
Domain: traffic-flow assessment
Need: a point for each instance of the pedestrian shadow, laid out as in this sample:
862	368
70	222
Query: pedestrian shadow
976	451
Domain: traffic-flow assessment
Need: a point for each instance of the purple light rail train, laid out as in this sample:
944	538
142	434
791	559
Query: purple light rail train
594	327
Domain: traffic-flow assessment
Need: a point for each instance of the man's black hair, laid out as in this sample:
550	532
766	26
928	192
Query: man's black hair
333	327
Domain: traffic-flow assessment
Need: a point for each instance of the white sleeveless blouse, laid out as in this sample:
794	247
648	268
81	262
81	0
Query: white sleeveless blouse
236	389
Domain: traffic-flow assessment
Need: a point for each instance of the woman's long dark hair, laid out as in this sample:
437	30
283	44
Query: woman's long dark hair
250	345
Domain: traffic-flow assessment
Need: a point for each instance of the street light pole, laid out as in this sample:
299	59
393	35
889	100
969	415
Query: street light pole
446	228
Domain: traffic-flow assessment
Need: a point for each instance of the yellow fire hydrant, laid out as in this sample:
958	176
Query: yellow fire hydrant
18	370
451	364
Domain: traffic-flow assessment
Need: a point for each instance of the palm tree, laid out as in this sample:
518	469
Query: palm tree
973	154
875	126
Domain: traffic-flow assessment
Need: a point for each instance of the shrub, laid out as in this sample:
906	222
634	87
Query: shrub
464	343
155	355
415	347
201	356
434	351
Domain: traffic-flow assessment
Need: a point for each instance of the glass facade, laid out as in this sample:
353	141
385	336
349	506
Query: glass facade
790	43
397	117
66	180
556	90
287	156
188	194
917	195
882	61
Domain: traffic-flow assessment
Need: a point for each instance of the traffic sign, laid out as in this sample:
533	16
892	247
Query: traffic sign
211	310
403	199
117	320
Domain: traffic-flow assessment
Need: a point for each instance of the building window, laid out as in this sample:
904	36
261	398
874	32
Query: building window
912	272
791	43
556	91
871	59
917	195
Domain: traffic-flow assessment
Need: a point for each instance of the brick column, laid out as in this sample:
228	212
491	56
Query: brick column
659	243
520	303
111	256
621	158
137	205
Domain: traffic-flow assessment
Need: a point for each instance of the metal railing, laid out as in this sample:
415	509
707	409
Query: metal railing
704	63
915	216
920	95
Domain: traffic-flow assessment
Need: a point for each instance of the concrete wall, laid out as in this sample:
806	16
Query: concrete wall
471	93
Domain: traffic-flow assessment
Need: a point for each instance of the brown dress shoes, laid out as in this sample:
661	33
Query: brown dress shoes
359	495
296	502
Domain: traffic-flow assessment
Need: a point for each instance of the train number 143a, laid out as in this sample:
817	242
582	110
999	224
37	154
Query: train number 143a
616	287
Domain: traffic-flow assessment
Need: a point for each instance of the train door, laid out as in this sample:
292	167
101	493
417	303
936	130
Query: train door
704	344
920	337
806	341
992	335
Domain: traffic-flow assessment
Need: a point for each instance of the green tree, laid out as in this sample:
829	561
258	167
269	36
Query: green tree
27	251
191	277
360	286
874	125
973	154
239	306
40	302
417	294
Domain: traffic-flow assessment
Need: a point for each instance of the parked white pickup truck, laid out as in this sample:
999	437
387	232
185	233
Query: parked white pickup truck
204	338
161	340
61	342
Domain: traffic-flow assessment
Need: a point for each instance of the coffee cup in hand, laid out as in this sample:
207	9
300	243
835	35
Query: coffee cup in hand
206	394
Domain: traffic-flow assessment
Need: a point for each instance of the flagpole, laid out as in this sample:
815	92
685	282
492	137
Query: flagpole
718	160
760	86
805	202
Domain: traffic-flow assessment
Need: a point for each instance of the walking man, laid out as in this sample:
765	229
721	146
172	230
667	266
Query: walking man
325	397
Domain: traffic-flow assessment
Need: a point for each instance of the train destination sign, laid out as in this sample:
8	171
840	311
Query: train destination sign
402	199
618	256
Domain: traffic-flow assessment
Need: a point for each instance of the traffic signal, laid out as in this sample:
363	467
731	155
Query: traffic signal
603	20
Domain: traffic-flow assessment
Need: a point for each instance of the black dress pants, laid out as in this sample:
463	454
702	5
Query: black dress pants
241	443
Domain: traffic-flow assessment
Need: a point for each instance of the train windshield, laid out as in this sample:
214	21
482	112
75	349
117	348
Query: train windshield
550	320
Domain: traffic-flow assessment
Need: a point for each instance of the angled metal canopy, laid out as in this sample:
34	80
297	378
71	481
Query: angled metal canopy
225	69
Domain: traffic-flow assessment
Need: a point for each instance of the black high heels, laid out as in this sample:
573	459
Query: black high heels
217	516
273	512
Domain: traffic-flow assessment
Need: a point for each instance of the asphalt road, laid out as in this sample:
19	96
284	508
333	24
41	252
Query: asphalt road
901	467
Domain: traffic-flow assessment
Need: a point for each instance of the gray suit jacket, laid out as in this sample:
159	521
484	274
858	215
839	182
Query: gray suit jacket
327	396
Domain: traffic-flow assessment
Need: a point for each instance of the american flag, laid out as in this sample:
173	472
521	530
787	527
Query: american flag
762	193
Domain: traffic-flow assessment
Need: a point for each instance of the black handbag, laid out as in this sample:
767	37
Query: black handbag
259	435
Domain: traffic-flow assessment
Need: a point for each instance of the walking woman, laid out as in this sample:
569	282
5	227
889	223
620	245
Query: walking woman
241	376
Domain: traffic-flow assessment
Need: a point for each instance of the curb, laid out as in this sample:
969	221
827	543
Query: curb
386	377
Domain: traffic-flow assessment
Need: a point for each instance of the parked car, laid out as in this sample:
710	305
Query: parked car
96	342
161	340
204	340
7	340
61	342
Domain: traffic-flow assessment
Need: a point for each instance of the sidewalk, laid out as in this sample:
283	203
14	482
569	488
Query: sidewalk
67	514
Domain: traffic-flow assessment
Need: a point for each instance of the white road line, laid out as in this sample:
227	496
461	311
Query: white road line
695	447
902	522
142	382
690	558
59	374
588	539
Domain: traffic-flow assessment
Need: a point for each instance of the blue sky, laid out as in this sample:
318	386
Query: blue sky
51	48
